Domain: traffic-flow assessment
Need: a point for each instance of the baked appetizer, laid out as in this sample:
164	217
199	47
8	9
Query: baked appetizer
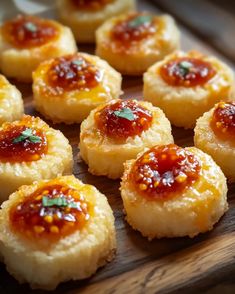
30	150
54	231
11	103
67	88
84	17
132	42
215	134
25	41
169	191
118	131
185	85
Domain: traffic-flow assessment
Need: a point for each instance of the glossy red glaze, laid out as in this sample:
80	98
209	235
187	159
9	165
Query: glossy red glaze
33	219
90	4
223	120
73	72
21	151
187	72
29	31
164	171
116	126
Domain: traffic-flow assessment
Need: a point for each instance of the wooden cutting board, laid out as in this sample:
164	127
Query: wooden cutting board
161	266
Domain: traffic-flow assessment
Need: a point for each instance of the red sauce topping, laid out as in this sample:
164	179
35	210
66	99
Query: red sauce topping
51	212
223	120
19	143
90	4
73	72
187	72
29	31
132	30
163	171
123	119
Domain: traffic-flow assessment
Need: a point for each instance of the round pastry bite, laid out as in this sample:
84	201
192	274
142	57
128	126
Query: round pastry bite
30	150
215	135
132	42
54	231
170	191
11	103
75	84
118	131
26	41
84	17
185	85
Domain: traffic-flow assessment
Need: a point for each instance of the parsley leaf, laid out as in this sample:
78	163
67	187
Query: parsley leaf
184	67
30	27
60	202
125	113
140	20
27	134
77	62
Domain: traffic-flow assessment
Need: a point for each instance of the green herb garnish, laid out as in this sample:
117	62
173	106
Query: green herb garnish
59	202
184	67
30	27
77	62
125	113
140	20
27	134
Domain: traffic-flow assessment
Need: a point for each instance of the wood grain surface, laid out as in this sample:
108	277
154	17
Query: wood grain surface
181	265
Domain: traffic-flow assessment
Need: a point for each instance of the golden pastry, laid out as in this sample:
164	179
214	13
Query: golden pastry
118	131
132	42
55	231
215	135
25	41
84	17
67	88
169	191
185	85
11	103
30	150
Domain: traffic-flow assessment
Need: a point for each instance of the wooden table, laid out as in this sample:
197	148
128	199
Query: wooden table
182	265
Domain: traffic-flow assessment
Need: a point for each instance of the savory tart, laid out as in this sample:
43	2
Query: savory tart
11	103
185	85
30	150
67	88
169	191
118	131
215	135
134	41
25	41
54	231
84	17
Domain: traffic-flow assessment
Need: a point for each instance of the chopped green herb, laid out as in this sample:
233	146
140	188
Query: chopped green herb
77	62
185	67
30	27
27	134
60	202
125	113
140	20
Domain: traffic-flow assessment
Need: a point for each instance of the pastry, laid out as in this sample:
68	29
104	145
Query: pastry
30	150
118	131
132	42
185	85
84	17
215	135
54	231
169	191
11	103
25	41
67	88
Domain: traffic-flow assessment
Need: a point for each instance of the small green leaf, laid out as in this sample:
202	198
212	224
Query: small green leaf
30	27
140	20
27	134
125	113
60	202
77	62
185	67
